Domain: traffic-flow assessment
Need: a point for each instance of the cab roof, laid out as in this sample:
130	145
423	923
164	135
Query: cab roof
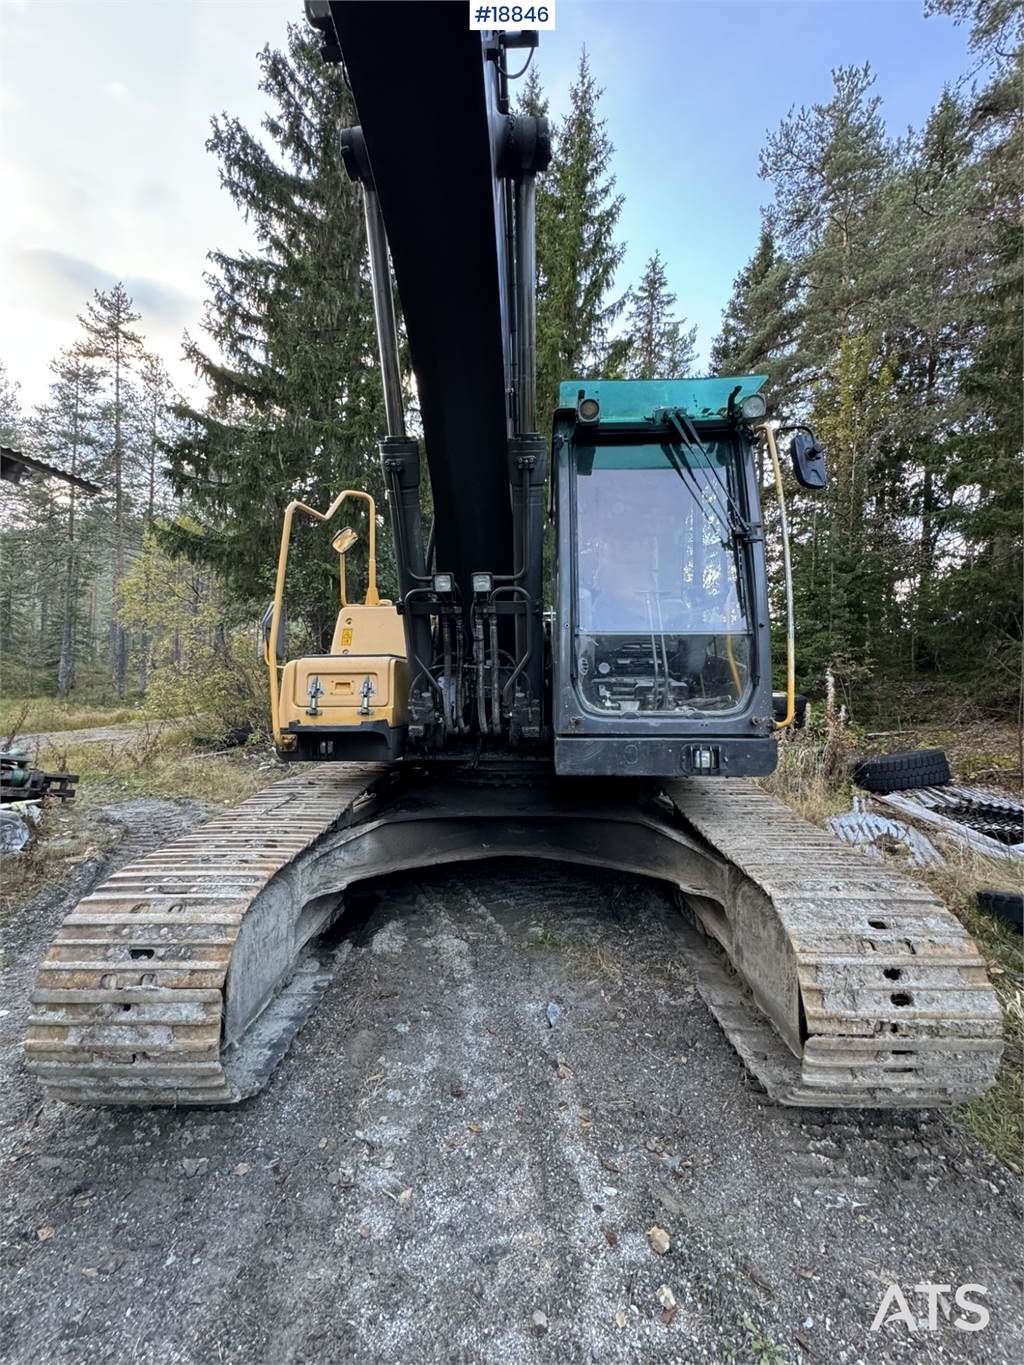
635	400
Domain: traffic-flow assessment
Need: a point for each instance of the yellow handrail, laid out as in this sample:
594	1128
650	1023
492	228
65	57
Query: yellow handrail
372	599
788	573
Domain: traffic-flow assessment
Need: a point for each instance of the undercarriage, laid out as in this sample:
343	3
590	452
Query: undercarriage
184	977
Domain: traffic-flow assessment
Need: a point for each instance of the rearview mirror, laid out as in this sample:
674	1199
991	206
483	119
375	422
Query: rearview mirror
808	460
282	634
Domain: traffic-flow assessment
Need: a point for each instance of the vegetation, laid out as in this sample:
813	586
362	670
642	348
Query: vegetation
295	405
883	301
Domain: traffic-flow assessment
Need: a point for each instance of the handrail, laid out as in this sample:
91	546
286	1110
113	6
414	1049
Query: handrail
787	570
372	599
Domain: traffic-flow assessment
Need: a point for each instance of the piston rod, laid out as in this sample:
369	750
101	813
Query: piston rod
384	312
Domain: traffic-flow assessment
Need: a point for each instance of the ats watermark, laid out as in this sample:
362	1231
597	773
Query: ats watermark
960	1307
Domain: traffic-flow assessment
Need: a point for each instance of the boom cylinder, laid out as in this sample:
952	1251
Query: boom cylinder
384	312
526	302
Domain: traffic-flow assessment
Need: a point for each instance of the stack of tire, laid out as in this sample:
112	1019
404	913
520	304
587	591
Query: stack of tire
902	772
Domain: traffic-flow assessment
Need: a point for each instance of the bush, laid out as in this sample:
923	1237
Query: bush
213	692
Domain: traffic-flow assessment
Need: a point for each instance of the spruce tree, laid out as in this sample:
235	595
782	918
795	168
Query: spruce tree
290	355
577	251
761	319
658	346
827	165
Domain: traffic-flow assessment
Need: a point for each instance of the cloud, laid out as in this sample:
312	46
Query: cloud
61	284
117	90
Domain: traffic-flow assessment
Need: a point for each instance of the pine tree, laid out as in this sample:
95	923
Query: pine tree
295	405
827	166
156	400
108	323
659	348
10	409
11	597
977	617
577	252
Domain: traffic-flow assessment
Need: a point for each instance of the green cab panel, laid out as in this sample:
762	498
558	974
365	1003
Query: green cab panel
635	400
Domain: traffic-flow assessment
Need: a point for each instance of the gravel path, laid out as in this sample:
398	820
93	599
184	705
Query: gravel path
436	1162
99	734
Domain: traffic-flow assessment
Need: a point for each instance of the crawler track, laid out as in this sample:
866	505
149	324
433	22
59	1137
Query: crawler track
896	1008
183	979
130	1003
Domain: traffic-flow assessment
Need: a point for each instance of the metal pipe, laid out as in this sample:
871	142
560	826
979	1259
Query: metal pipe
481	687
787	570
384	313
495	678
526	302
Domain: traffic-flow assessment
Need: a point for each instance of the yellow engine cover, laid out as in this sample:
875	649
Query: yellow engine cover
343	678
369	630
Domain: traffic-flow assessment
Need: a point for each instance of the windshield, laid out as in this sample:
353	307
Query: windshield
660	619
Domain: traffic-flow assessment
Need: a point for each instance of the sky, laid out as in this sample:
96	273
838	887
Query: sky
105	108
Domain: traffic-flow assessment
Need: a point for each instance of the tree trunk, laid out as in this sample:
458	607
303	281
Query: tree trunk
118	645
66	662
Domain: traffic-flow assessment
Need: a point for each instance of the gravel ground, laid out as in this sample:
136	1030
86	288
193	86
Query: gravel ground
99	734
442	1156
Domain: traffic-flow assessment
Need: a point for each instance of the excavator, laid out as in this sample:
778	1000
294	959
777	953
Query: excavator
609	712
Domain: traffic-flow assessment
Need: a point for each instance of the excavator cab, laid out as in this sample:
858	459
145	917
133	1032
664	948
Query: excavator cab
661	664
350	704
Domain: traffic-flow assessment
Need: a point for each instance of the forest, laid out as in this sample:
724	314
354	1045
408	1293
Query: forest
882	298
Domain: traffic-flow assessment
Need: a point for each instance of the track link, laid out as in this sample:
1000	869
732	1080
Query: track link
129	1005
184	977
896	1007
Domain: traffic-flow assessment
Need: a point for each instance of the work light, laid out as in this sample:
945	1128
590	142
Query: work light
482	583
588	410
442	582
753	407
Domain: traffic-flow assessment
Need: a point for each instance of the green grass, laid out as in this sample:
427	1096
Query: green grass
160	761
997	1118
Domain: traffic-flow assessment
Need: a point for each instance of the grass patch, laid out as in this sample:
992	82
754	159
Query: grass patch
32	715
997	1118
161	761
808	780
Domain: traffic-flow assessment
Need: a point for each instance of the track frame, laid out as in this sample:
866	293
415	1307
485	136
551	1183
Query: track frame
184	977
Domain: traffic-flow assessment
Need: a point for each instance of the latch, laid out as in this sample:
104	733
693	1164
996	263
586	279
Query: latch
366	692
314	692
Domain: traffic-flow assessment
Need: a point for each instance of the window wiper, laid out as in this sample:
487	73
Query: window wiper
682	466
729	511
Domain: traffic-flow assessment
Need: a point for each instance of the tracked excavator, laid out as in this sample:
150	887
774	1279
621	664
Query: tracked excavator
617	728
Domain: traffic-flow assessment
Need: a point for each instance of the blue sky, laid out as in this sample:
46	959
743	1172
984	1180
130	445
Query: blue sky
104	109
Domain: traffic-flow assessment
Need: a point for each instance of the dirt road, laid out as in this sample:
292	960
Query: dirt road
113	735
441	1157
